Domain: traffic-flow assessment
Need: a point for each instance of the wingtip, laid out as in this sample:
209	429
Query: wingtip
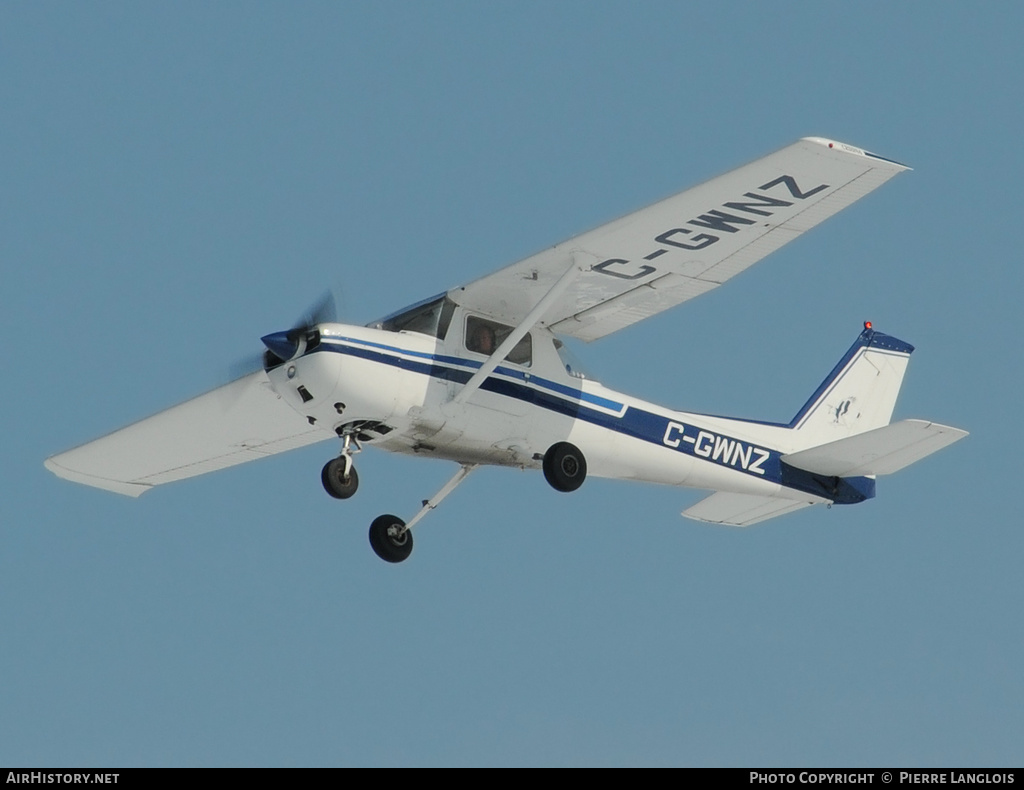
835	145
116	486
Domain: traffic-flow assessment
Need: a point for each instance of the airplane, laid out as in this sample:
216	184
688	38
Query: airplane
478	375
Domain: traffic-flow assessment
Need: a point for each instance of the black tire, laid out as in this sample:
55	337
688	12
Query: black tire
333	478
565	467
390	547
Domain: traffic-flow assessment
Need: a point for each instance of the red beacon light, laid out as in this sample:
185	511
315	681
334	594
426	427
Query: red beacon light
867	325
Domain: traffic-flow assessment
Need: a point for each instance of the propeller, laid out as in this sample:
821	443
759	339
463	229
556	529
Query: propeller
323	312
282	346
285	345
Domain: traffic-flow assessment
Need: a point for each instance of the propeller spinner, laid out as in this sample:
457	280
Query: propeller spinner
282	346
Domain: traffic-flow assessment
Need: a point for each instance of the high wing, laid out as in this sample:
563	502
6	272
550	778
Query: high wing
683	246
238	422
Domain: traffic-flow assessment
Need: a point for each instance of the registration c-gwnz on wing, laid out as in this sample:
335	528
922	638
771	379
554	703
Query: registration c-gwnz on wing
477	375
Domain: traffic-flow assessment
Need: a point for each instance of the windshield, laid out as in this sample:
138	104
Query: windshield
428	318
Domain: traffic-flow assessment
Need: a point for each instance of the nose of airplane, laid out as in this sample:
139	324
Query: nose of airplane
281	344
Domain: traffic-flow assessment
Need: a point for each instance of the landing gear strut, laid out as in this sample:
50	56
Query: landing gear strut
390	537
339	474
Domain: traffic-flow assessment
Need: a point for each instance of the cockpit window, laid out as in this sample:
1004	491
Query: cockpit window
483	337
428	318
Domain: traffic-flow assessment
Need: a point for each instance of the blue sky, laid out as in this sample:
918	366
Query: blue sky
180	179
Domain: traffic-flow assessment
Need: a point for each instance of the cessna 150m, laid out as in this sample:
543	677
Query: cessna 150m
476	375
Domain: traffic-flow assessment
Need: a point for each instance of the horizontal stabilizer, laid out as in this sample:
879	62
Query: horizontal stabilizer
881	451
742	510
239	422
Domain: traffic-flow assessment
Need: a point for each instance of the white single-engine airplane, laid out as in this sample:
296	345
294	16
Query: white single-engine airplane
477	375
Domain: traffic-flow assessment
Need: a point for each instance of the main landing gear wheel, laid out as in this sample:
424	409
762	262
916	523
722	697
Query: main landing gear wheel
388	540
333	478
565	467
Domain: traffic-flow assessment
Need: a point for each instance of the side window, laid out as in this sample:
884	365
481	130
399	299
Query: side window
483	337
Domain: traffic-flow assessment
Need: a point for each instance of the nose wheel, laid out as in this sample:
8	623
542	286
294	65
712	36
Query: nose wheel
337	482
339	474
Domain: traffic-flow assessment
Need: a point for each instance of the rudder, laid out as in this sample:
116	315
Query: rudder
860	392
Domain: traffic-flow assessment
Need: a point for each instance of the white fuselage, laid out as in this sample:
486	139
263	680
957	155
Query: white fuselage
401	386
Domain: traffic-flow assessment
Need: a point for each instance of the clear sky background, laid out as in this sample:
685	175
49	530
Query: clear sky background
178	179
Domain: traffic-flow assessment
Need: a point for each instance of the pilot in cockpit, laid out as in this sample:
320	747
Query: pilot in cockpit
482	340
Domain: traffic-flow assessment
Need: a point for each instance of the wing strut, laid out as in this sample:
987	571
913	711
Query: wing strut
519	332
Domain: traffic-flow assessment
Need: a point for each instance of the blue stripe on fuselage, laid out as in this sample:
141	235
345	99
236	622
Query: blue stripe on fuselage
473	365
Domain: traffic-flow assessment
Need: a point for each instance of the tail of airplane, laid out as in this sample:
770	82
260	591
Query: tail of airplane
842	432
859	394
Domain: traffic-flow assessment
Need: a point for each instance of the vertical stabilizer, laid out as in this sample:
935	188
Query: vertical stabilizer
860	392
